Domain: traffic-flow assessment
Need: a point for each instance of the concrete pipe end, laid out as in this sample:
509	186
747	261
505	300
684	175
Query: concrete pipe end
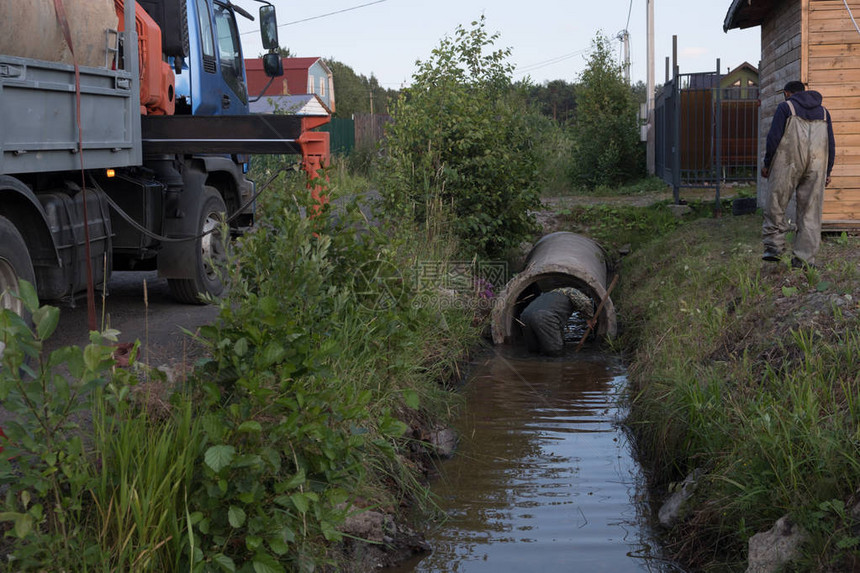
557	260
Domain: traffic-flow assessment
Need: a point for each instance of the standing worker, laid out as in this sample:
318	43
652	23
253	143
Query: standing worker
800	153
543	320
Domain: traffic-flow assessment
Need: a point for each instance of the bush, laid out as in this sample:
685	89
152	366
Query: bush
318	362
607	150
461	142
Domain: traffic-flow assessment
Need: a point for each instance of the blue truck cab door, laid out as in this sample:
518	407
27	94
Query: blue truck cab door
212	81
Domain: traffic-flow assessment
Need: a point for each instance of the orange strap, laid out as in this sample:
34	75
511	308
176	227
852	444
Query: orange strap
91	299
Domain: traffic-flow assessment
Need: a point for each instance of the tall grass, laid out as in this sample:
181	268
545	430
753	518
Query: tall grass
750	377
145	472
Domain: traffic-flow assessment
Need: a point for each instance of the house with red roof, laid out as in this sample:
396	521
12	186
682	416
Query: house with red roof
302	77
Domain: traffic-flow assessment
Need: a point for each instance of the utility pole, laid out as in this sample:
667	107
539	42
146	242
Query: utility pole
624	36
649	149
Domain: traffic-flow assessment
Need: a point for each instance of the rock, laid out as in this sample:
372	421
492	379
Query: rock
673	509
375	540
444	442
680	210
368	525
169	373
770	550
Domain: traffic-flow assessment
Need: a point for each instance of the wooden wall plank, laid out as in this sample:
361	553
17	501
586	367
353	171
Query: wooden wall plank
841	185
835	37
843	210
841	128
840	62
837	24
829	220
817	77
825	5
847	140
839	91
834	49
804	41
836	194
846	154
839	104
846	169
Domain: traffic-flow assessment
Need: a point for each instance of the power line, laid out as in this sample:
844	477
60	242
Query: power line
629	11
322	15
552	61
331	13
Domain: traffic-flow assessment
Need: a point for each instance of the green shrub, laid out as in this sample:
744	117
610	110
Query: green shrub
607	150
461	141
324	358
317	364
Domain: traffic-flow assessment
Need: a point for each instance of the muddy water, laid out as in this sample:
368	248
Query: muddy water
543	479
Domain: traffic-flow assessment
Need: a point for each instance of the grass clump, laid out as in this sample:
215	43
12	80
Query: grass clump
747	371
90	481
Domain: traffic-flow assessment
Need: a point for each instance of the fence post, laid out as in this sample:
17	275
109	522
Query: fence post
718	130
676	136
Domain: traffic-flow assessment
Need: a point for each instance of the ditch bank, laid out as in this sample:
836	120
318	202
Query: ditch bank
744	405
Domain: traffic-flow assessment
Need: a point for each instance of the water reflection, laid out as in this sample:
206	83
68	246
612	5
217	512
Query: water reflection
543	479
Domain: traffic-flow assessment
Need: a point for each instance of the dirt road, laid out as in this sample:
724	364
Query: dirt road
158	325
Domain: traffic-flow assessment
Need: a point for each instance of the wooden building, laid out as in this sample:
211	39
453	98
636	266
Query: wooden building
818	43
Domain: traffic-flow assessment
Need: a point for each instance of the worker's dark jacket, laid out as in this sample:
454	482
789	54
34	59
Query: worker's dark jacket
807	105
543	322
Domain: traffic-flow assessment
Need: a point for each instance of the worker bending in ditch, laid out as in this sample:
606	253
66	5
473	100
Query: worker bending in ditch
543	320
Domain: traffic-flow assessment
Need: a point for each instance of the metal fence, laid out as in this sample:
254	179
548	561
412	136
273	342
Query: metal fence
705	135
364	130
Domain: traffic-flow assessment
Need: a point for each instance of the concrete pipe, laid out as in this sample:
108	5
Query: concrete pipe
557	260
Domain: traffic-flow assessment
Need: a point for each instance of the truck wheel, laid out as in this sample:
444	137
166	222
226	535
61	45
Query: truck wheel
210	253
15	264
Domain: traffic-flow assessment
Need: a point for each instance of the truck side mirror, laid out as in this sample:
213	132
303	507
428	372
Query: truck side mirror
269	27
273	67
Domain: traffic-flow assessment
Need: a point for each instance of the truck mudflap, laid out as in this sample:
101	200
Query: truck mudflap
182	205
64	213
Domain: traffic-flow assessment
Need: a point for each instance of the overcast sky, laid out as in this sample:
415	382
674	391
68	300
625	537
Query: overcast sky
550	39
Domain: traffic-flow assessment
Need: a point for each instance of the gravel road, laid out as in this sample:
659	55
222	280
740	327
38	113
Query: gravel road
158	325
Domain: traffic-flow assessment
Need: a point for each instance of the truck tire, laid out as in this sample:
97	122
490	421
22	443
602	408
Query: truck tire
210	253
15	264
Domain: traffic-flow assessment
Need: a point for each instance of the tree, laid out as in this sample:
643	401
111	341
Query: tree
461	141
354	93
555	99
607	150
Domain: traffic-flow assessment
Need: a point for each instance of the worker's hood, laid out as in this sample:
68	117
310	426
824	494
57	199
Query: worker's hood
809	99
